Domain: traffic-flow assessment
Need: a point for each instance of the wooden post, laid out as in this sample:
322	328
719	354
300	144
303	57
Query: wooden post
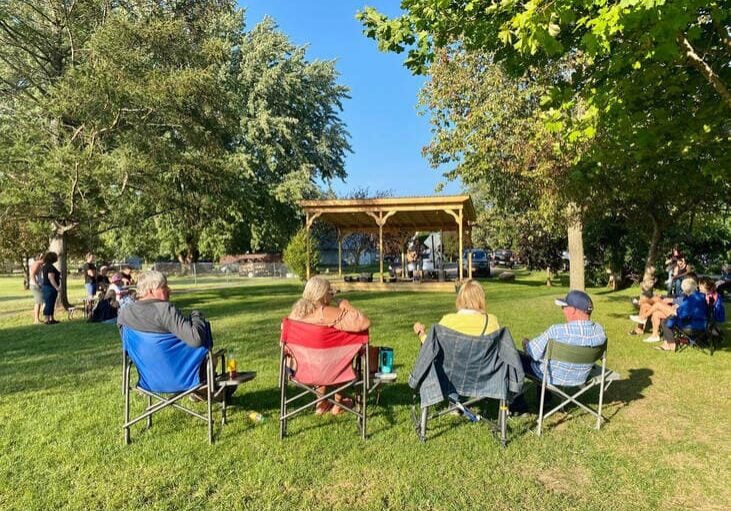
340	254
309	220
380	241
461	262
469	265
307	242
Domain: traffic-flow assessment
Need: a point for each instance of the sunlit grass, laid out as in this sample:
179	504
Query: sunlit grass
665	447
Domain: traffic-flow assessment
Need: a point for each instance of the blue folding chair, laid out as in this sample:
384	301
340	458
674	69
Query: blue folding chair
167	365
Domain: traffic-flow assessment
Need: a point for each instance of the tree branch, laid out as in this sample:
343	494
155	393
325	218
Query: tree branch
705	69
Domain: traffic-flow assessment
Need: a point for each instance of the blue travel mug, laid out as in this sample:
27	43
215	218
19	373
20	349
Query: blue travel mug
385	359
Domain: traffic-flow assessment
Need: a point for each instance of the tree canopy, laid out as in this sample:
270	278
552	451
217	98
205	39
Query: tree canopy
170	119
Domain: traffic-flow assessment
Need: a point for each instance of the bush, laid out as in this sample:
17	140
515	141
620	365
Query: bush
295	255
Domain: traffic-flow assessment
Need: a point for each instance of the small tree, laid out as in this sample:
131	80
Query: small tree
295	255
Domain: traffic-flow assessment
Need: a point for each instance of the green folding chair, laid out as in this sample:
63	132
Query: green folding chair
599	375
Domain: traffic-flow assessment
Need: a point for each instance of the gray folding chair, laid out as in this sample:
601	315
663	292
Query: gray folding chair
598	376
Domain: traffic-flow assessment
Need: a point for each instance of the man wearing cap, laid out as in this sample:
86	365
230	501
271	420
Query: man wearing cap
579	330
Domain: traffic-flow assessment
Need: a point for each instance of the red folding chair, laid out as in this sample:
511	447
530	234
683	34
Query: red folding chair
313	356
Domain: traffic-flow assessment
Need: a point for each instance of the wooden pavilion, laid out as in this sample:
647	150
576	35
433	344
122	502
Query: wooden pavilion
398	214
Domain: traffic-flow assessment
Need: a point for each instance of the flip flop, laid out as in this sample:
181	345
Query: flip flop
323	407
661	348
337	410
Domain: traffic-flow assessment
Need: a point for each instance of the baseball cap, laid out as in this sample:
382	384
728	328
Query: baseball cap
578	300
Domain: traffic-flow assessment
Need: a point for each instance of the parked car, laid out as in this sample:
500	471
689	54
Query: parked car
504	257
480	262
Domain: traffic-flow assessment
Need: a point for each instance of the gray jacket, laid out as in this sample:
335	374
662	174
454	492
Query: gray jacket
162	317
452	364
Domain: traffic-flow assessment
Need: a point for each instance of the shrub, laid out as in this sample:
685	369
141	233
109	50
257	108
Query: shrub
295	255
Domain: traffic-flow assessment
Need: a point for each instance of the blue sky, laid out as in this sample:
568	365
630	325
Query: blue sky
386	132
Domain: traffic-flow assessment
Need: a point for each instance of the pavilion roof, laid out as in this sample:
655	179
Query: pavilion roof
403	213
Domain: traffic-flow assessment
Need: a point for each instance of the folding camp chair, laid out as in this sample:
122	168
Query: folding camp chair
473	368
166	365
313	356
711	337
600	376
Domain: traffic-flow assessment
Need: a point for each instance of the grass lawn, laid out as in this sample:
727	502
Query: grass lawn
666	445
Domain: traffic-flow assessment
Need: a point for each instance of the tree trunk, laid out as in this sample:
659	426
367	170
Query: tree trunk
26	272
549	276
59	244
576	248
652	251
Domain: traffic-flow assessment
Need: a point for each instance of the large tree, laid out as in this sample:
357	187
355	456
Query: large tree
636	69
117	113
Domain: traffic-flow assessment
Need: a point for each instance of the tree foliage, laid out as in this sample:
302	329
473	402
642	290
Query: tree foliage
163	119
632	95
296	254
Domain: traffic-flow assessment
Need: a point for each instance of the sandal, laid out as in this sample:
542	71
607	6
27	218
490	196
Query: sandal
323	407
346	401
663	348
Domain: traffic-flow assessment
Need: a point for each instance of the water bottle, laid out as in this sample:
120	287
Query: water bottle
256	417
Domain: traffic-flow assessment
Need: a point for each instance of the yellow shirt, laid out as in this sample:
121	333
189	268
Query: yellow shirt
470	323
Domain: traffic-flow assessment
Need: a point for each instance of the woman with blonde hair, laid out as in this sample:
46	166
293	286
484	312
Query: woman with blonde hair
315	308
471	317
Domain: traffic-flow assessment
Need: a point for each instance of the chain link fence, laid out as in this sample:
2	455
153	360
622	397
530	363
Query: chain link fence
227	271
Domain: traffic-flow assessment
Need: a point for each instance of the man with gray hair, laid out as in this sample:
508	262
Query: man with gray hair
690	316
153	312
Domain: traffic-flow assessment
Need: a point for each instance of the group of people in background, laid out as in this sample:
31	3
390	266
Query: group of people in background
690	301
104	294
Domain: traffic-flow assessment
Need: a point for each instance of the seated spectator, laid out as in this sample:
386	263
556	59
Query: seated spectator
579	330
106	309
102	280
315	308
713	299
690	316
126	273
124	298
471	317
153	312
652	307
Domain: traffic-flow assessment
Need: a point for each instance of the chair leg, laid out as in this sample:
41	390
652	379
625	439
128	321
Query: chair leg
149	418
125	382
364	408
422	424
601	395
282	397
540	408
503	420
209	395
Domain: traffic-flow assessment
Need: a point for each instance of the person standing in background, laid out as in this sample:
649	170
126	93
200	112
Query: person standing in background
50	287
35	280
90	276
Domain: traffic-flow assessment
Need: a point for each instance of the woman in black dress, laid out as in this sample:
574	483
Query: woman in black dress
51	285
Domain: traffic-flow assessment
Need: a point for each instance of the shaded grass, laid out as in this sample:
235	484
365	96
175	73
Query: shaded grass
61	409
